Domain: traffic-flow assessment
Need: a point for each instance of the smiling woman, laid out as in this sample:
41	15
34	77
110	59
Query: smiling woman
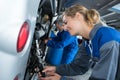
82	20
89	27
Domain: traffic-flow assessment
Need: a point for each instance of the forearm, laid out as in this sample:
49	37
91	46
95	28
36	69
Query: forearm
65	78
68	70
79	66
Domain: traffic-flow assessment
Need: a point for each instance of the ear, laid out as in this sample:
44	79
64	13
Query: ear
78	16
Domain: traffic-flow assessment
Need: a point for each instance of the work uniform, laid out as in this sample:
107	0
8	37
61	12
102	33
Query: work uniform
105	49
68	43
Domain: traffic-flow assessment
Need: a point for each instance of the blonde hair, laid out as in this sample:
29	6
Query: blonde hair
91	16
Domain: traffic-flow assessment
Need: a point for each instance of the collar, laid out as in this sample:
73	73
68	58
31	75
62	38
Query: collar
94	30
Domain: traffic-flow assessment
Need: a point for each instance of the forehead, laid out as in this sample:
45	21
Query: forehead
65	18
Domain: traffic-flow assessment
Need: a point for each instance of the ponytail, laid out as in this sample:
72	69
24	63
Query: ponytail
92	17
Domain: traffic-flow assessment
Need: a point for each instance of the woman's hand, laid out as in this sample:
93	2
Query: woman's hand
48	70
50	73
52	76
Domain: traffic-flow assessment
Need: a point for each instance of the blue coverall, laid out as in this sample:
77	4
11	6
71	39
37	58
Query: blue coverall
68	43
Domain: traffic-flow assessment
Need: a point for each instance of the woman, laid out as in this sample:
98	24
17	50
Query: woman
105	43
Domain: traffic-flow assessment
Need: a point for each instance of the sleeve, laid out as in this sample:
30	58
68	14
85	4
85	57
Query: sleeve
106	67
57	37
79	65
65	40
65	78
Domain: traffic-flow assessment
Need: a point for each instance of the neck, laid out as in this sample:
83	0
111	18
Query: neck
86	32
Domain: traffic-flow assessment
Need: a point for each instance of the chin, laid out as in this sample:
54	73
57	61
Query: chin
72	34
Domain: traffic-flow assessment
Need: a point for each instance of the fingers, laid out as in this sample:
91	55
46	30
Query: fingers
52	76
39	74
46	69
46	78
49	72
49	69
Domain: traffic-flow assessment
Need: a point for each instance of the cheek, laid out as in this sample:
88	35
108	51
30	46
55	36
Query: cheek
75	27
73	30
70	26
65	28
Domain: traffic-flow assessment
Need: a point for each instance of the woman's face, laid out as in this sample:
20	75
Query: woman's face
74	24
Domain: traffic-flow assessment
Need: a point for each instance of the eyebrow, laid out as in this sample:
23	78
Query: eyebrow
65	22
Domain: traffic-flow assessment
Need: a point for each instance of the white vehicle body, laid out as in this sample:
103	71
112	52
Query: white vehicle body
13	14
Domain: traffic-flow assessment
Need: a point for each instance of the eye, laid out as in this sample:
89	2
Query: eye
64	22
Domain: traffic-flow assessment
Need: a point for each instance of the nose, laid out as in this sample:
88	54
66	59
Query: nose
65	27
